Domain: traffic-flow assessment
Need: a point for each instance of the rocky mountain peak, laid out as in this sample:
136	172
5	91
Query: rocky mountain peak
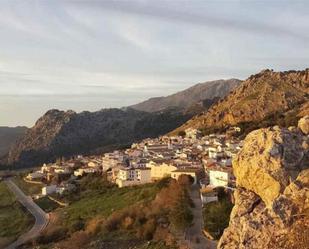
272	193
261	96
191	100
292	75
54	116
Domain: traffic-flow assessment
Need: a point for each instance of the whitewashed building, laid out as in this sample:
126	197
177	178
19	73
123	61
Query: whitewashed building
37	175
219	177
208	195
47	190
132	176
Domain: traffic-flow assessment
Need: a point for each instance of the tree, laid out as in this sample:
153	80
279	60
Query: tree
181	215
185	180
182	133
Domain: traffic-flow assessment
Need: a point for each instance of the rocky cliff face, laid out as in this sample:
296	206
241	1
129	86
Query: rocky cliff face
260	96
8	136
272	196
193	100
60	133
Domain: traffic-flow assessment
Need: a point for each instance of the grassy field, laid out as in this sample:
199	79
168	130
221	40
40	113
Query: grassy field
14	220
104	203
27	188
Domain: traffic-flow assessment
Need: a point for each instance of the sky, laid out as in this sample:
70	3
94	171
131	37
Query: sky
89	55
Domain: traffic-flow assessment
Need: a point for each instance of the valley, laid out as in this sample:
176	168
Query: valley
151	185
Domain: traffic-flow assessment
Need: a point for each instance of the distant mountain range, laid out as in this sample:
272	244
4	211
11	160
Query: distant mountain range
192	100
267	98
264	99
8	136
60	133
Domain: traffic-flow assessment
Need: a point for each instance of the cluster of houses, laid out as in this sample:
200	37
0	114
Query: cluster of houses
206	159
60	177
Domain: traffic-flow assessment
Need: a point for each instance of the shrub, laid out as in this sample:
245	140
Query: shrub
163	183
77	225
217	216
181	216
182	133
77	240
185	180
53	235
94	225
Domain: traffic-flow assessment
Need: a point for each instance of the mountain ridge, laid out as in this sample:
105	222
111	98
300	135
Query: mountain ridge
186	99
66	133
256	99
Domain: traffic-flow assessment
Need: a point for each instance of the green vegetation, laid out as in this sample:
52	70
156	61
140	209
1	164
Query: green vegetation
27	188
283	120
121	216
217	215
181	215
100	203
13	218
46	204
100	200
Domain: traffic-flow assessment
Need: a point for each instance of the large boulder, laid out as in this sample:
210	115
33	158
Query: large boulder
272	192
270	159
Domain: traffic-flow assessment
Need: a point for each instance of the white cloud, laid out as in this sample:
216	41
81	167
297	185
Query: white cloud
94	54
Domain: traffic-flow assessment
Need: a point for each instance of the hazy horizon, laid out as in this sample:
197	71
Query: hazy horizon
89	55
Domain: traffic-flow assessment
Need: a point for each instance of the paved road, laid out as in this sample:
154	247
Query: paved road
195	232
41	218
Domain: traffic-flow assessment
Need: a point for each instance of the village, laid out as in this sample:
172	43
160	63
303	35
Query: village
206	159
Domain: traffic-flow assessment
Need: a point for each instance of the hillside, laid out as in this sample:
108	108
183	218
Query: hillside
8	136
60	133
265	98
194	99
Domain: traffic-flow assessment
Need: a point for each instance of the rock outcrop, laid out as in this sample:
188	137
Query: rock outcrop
272	191
272	97
303	124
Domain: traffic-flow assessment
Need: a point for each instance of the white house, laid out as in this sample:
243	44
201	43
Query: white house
37	175
88	170
64	187
219	177
47	190
132	176
192	133
63	170
109	161
79	172
215	152
208	195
